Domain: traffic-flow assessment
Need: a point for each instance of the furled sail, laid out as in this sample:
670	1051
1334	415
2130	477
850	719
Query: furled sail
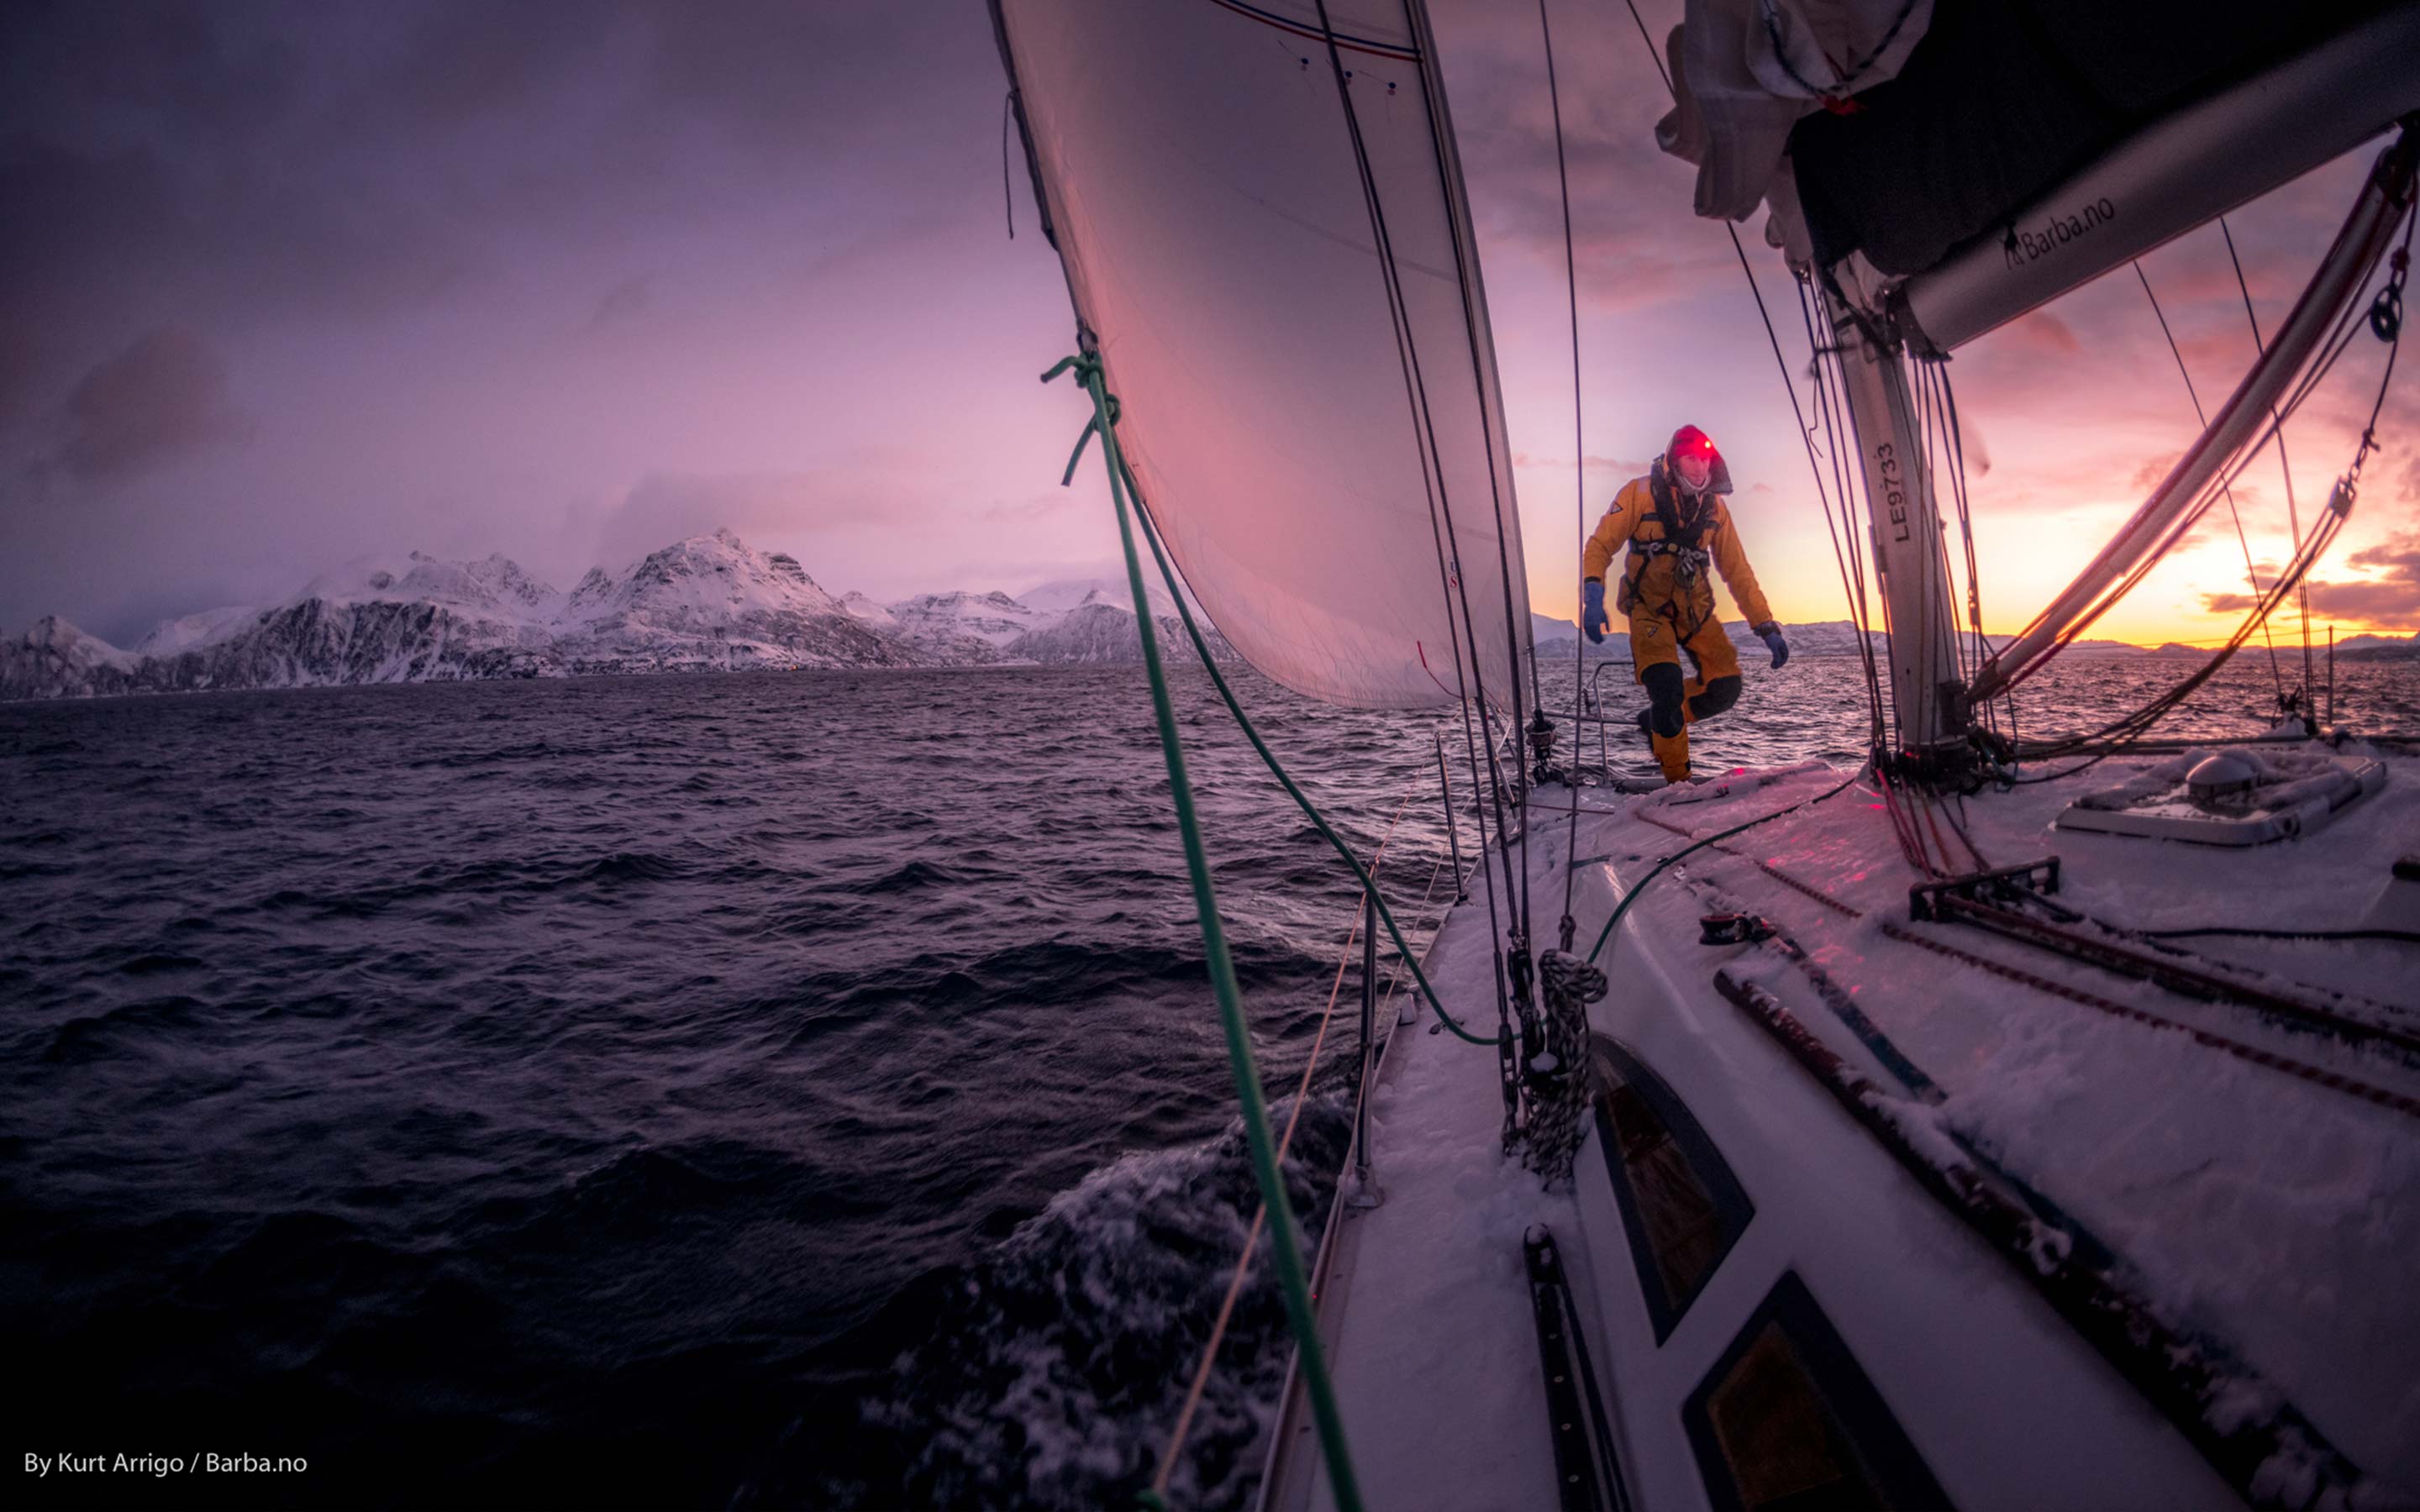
1307	382
2002	152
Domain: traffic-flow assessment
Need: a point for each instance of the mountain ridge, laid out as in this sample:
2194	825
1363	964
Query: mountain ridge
708	602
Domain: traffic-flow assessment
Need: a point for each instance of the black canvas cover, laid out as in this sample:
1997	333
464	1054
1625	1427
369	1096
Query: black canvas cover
2005	99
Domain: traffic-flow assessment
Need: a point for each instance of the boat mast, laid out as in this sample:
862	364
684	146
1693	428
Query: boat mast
2176	175
1927	701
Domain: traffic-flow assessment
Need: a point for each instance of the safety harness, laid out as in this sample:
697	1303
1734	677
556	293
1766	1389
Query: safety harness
1684	541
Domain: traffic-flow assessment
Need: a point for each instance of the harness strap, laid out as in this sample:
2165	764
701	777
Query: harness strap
1683	543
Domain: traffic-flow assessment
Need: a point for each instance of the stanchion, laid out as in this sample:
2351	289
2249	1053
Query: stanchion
1453	831
1365	1183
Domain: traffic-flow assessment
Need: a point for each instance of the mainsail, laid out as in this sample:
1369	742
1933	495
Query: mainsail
1302	358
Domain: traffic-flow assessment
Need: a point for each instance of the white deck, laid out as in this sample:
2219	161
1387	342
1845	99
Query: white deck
2277	1216
1434	1347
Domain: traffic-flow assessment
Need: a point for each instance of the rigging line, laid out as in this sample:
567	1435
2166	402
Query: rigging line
2323	533
1954	452
1844	554
1401	311
1655	53
2293	515
1928	606
1450	188
1894	731
1358	44
1632	896
2250	570
1449	580
1966	525
1268	757
1789	385
1285	1252
1579	472
1184	1429
1395	977
2238	462
1931	427
1951	463
2133	726
1007	197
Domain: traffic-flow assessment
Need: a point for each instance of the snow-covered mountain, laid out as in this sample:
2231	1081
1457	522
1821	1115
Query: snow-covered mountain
1097	634
711	603
968	623
1067	593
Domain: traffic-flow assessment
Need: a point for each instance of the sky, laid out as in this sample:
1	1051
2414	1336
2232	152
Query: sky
282	284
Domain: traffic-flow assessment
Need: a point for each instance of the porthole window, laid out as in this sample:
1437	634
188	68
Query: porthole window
1681	1206
1786	1421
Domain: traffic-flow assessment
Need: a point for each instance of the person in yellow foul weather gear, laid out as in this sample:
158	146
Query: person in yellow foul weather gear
1674	523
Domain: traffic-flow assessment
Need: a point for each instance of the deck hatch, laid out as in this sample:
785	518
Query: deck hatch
1681	1206
1787	1421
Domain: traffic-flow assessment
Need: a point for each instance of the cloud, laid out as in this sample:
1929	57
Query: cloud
162	398
230	163
625	301
666	507
1633	237
1615	465
2044	333
2153	469
2389	600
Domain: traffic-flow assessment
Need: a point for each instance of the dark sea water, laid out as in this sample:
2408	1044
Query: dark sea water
763	1089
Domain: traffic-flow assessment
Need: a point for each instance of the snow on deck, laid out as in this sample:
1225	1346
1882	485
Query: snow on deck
2276	1216
2279	1216
1437	1366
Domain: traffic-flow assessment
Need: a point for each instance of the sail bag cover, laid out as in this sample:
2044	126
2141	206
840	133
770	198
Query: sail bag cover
1318	467
2006	98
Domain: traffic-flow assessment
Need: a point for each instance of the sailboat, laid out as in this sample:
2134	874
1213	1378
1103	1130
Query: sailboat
2014	1120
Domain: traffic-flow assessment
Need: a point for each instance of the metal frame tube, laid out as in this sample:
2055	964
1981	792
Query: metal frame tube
2366	231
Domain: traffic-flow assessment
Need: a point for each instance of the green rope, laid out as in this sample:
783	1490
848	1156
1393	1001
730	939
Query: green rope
1284	1250
1151	537
1632	896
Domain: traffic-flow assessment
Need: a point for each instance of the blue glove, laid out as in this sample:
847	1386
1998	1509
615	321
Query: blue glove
1593	617
1770	634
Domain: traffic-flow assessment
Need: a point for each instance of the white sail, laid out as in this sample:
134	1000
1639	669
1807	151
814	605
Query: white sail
1199	177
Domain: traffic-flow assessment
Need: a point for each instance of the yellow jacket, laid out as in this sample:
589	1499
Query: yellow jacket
1650	581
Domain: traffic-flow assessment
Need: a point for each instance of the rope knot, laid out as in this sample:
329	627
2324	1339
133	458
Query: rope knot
1086	365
